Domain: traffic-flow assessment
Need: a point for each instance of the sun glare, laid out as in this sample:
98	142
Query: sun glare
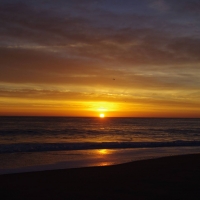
101	115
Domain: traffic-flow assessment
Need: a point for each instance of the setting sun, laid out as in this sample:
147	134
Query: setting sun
101	115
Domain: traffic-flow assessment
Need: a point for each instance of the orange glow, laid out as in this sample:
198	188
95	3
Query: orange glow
60	107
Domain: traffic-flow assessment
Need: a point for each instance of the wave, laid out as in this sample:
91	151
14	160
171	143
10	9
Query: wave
41	147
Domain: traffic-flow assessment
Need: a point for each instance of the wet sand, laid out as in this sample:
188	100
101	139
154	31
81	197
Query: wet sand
175	177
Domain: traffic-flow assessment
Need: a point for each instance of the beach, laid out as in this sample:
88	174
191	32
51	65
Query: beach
174	177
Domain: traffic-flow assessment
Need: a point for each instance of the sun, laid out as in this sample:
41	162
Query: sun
102	115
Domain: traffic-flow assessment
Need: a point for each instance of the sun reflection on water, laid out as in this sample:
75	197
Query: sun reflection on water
105	163
103	151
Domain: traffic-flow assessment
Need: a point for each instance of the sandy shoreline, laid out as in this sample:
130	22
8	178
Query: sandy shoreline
175	177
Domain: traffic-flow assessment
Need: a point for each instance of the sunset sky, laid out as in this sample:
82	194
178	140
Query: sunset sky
138	58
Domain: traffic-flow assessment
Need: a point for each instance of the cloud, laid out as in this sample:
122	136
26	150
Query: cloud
96	48
160	5
189	6
30	25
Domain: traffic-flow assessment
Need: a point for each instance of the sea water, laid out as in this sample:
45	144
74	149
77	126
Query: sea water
41	143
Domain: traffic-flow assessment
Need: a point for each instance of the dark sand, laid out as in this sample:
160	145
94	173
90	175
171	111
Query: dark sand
176	177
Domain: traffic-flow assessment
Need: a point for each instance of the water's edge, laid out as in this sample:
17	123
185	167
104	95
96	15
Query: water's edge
41	161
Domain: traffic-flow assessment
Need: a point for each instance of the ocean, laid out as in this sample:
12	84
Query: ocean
42	143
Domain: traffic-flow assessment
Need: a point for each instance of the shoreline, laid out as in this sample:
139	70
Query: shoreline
41	161
171	177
